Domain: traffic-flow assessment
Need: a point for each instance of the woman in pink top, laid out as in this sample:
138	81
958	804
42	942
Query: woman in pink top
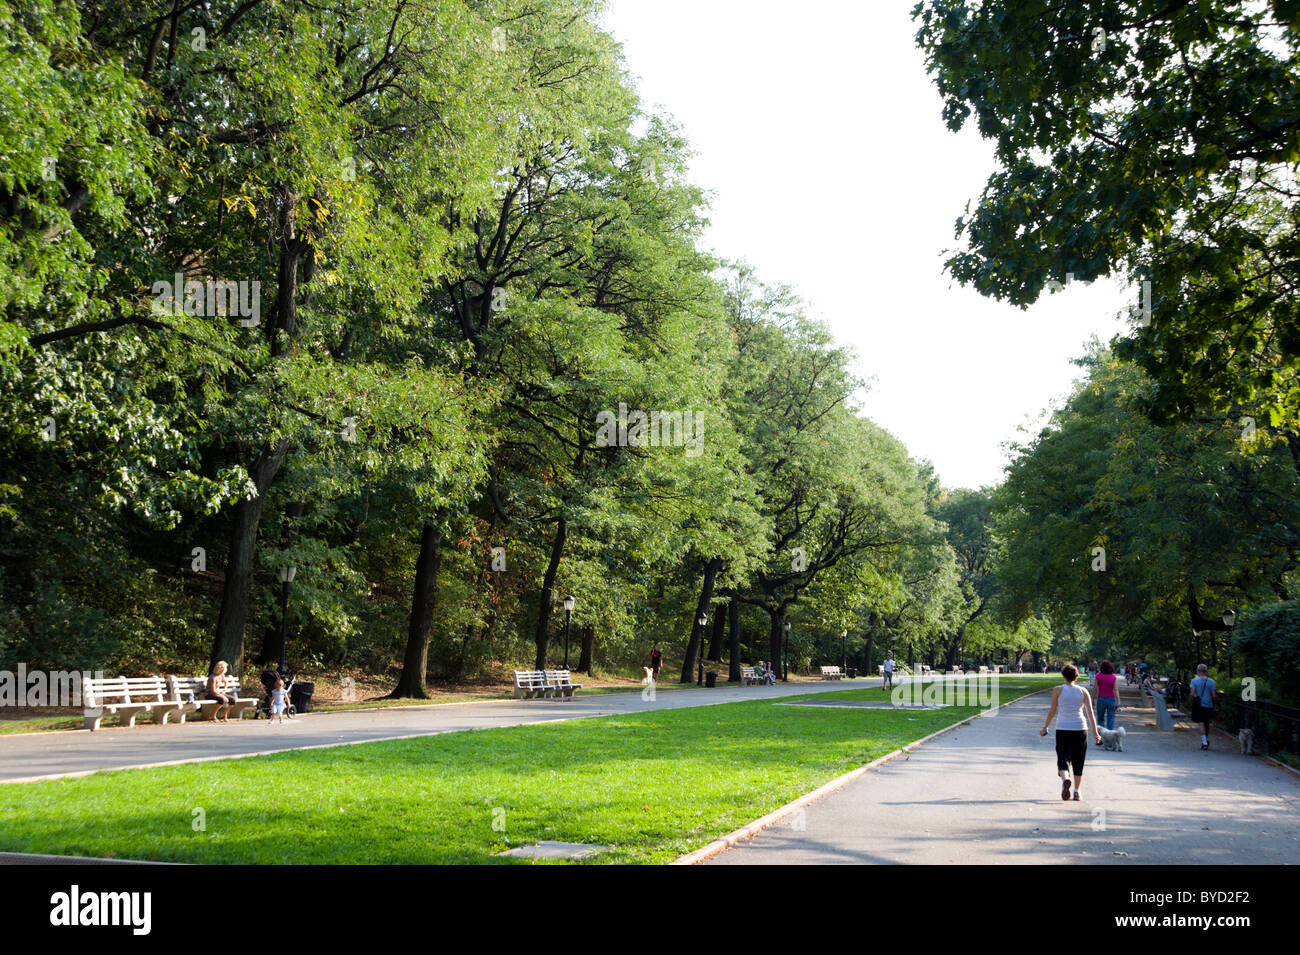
1107	698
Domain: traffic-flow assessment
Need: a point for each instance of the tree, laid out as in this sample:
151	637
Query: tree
1147	138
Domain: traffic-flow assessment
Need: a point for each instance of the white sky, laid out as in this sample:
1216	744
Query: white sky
819	132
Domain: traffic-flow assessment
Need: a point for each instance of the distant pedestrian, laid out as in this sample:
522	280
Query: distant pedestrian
1070	706
1020	665
1202	688
889	673
1107	698
656	661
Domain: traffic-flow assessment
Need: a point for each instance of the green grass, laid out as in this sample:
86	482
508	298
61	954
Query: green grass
38	724
652	785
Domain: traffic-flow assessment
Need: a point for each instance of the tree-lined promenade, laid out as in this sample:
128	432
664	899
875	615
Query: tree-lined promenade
412	298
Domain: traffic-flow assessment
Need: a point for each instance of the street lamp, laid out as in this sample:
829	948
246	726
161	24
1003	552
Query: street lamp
699	647
785	655
1230	621
569	603
286	578
844	655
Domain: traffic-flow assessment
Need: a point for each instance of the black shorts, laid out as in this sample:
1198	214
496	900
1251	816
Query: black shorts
1071	748
1202	714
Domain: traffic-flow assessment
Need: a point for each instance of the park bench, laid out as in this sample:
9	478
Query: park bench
196	688
560	683
749	676
530	683
831	673
984	671
1163	720
130	697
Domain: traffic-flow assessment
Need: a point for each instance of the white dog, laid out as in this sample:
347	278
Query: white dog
649	676
1112	739
1247	740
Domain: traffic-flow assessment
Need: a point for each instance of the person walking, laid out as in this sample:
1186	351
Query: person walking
656	660
1107	697
1202	688
889	673
1070	705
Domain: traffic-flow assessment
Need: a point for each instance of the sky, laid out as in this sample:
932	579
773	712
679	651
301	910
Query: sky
820	135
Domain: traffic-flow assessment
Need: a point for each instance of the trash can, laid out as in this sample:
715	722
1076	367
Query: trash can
850	674
711	678
300	696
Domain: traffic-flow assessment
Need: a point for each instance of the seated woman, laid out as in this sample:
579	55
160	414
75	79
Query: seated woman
1153	685
218	689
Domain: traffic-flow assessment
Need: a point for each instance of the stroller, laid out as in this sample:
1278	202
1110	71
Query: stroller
268	678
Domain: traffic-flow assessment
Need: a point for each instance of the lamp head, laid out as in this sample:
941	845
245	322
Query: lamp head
569	603
704	618
1230	618
286	573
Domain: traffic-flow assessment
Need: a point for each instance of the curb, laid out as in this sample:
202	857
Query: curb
726	842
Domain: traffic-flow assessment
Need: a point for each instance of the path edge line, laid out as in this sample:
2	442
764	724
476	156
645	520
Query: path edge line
723	843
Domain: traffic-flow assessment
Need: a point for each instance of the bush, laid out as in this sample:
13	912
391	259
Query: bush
1269	640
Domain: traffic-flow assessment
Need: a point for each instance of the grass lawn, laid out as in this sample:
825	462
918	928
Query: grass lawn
651	785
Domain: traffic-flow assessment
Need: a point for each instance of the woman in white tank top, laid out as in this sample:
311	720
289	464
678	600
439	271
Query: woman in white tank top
1072	709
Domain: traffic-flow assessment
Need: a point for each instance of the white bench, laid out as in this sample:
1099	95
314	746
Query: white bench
831	673
546	684
529	683
561	683
1164	720
129	698
749	676
196	688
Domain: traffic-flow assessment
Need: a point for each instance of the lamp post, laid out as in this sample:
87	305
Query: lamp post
1230	621
569	603
844	653
286	578
704	619
785	655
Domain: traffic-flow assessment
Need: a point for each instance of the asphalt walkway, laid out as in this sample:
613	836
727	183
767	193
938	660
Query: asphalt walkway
987	793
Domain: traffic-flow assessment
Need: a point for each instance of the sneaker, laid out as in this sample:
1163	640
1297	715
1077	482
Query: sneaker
1065	789
1205	747
1076	795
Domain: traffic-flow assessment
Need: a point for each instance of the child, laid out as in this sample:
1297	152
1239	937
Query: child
278	700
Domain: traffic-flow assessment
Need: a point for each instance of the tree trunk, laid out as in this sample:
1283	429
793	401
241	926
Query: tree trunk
273	635
424	600
588	646
701	606
542	634
229	642
774	640
715	642
733	612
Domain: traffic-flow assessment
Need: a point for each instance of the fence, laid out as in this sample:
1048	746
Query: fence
1276	727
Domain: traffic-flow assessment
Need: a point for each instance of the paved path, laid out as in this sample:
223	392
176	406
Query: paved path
987	793
79	752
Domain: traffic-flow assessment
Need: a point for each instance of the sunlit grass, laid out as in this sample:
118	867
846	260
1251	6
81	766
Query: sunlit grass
651	785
